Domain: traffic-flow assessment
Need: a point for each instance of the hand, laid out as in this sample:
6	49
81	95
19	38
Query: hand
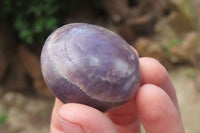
155	106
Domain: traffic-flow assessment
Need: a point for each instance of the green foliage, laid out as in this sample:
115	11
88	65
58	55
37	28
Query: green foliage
171	44
34	20
191	73
3	118
186	7
198	29
98	5
43	114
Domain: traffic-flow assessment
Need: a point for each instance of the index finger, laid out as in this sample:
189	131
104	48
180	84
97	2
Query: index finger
154	73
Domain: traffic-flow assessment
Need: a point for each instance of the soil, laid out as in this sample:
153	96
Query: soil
188	98
24	114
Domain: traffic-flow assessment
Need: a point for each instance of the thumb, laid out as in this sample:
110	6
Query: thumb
78	118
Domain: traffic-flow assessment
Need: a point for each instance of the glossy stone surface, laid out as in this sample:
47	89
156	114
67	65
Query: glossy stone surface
88	64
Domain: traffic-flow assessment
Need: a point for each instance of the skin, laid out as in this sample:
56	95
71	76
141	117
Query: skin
155	106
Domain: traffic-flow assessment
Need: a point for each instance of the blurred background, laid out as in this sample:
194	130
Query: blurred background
168	30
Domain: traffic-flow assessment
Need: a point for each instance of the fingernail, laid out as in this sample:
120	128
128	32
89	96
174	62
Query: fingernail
69	127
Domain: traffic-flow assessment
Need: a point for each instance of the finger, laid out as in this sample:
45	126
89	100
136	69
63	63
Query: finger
154	73
78	118
55	126
125	118
156	111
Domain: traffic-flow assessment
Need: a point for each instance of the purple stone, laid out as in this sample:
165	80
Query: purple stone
88	64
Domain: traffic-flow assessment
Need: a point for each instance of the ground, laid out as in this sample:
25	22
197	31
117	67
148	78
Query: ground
188	98
23	113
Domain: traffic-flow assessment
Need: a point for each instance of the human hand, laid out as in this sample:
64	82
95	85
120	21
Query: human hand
155	106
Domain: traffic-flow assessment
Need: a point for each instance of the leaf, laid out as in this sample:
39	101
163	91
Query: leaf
3	118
